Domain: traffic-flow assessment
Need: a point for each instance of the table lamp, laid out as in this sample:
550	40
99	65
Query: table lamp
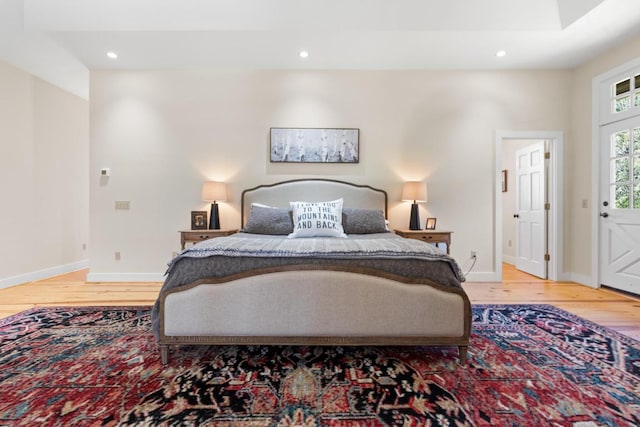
416	192
214	192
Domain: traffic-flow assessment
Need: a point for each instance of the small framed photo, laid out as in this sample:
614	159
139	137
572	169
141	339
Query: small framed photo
198	220
431	224
504	181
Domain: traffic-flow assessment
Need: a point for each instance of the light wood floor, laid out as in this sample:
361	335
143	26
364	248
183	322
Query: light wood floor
606	307
618	311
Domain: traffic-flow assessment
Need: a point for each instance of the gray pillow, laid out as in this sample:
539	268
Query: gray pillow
363	221
268	220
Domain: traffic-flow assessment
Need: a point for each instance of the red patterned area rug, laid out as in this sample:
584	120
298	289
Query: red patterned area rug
530	365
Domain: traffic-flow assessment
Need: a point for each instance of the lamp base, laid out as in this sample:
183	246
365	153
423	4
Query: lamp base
214	218
414	222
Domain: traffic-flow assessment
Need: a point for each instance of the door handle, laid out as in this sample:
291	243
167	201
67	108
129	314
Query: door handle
604	214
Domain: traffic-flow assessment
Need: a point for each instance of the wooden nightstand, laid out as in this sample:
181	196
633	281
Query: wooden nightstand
429	236
195	236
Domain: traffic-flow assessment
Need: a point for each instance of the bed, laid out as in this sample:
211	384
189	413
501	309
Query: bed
353	282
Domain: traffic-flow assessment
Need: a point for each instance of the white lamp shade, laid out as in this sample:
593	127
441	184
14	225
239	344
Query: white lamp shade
213	191
414	191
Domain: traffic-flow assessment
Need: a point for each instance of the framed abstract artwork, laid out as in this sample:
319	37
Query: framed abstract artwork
314	145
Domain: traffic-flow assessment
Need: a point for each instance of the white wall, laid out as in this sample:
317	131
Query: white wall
44	221
578	174
164	132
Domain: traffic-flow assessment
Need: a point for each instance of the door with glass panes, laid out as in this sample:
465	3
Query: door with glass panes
619	210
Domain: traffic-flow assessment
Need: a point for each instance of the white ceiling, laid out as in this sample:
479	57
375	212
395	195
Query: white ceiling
62	40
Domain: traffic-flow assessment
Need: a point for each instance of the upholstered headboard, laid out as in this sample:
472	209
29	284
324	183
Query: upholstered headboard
313	190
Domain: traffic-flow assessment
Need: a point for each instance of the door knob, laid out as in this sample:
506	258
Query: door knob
516	216
604	214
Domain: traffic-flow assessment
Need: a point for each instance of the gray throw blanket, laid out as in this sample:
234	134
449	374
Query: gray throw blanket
366	246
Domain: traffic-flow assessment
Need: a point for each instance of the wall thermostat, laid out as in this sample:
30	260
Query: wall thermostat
105	172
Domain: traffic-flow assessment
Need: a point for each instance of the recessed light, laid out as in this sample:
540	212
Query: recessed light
304	54
112	55
501	53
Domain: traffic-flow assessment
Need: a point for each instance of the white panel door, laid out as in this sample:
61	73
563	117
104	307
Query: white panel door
619	252
531	231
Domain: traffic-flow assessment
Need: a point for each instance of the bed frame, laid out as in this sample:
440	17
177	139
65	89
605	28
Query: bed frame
305	305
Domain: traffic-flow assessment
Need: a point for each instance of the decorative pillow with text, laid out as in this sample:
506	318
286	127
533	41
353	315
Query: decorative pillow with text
317	219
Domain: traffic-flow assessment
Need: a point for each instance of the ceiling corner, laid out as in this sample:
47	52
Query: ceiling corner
570	11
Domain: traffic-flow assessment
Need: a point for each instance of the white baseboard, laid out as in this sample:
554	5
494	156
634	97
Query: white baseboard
488	276
582	279
509	259
482	276
125	277
43	274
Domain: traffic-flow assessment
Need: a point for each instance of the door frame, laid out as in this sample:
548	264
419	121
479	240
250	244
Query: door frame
554	197
594	280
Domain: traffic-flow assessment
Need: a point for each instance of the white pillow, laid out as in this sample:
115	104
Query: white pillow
317	219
